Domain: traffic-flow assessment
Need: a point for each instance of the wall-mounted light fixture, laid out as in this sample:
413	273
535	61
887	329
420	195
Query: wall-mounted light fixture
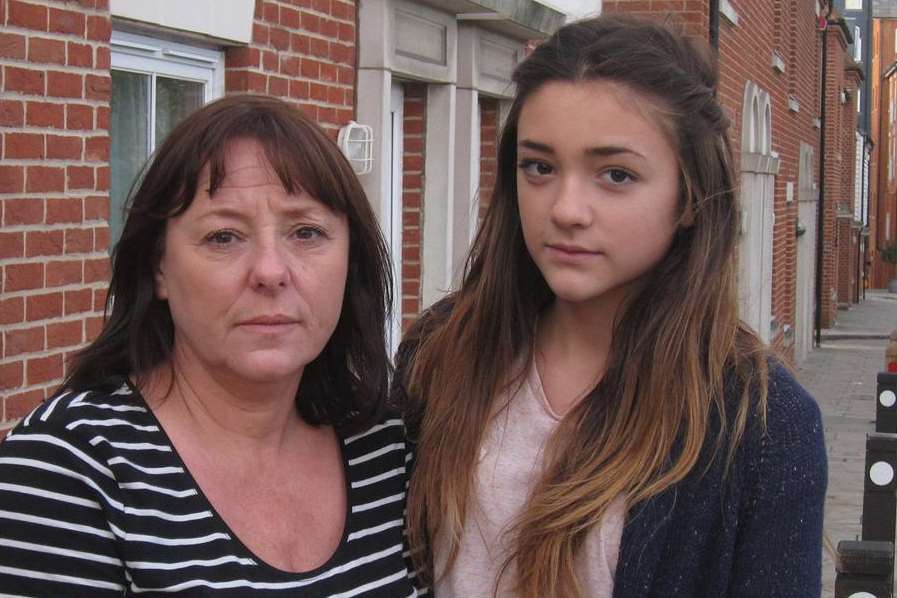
357	143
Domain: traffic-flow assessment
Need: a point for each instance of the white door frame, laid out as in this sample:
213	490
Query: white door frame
392	223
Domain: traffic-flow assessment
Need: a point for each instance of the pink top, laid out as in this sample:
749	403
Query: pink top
510	465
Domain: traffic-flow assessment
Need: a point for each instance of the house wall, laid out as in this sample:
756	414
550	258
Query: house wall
54	191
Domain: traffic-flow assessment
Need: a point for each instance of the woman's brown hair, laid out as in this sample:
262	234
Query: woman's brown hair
347	383
677	350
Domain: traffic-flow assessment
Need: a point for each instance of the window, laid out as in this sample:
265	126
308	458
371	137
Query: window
155	84
859	99
854	5
857	44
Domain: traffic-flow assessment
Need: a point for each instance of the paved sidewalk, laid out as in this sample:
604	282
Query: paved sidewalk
841	375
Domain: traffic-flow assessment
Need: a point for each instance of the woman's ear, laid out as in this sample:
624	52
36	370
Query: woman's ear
161	286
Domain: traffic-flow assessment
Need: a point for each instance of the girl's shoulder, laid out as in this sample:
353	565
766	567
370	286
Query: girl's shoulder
790	411
786	437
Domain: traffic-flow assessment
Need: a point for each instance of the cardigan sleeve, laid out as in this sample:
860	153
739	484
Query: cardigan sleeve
779	545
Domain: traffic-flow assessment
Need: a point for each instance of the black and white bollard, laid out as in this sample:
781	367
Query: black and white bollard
880	492
865	570
886	403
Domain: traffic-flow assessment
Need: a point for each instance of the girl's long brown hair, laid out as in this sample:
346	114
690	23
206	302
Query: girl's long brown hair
677	346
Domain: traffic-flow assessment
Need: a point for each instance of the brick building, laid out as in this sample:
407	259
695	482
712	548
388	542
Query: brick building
883	211
89	88
770	67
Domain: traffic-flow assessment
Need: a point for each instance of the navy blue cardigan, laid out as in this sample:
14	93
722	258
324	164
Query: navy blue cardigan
754	533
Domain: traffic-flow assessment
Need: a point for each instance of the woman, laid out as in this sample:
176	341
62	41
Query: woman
591	417
225	433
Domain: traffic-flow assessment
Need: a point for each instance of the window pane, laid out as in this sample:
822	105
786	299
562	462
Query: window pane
129	149
175	99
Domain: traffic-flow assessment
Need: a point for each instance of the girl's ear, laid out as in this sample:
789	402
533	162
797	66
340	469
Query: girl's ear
687	218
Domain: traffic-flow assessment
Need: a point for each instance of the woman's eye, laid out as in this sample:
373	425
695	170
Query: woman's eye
221	237
308	233
535	168
618	176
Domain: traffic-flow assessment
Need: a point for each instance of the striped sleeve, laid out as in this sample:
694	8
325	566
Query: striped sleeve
55	536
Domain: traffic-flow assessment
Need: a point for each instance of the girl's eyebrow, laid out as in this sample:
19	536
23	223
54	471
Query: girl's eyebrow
604	150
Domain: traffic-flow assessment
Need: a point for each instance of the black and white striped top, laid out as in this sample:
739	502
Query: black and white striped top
95	501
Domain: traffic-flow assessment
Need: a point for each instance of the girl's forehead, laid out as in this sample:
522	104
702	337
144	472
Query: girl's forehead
595	111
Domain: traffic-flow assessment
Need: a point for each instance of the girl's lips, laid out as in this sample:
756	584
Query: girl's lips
570	253
573	249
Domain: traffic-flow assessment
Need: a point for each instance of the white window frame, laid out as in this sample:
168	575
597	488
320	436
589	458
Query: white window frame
159	57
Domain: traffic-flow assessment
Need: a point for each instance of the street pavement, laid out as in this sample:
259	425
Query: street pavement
841	376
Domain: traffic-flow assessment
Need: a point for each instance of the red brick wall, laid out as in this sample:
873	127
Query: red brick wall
54	184
54	176
788	28
304	51
415	134
694	14
848	246
884	193
840	128
488	150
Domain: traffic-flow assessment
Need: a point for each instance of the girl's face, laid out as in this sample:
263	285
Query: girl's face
597	189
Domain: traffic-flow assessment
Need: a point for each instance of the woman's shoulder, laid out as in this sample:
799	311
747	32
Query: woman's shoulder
73	408
85	425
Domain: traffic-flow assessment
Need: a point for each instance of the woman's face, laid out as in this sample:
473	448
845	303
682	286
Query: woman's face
254	277
597	188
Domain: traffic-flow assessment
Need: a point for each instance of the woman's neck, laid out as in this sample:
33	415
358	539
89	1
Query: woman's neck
242	416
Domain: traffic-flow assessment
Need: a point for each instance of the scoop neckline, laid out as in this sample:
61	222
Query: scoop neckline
348	519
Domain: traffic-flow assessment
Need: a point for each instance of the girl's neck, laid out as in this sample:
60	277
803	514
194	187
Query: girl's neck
571	349
576	328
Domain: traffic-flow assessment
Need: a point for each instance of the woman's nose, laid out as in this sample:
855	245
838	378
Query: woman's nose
269	266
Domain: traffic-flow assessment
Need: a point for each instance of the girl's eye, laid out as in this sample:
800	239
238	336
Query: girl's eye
221	237
535	168
618	176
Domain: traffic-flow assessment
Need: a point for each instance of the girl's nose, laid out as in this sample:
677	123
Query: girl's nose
570	207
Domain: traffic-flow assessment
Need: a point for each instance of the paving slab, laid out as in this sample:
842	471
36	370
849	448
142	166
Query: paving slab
841	375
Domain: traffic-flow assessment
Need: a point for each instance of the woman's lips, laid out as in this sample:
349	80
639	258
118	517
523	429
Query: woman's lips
269	324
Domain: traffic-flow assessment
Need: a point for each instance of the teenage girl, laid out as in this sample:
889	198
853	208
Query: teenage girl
591	416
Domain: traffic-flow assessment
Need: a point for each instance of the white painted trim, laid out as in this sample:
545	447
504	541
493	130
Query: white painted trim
396	208
467	177
778	63
145	54
226	20
727	10
439	192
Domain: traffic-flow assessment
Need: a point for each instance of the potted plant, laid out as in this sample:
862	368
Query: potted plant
888	255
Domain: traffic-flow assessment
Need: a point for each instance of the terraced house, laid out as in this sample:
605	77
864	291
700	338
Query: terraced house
415	91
